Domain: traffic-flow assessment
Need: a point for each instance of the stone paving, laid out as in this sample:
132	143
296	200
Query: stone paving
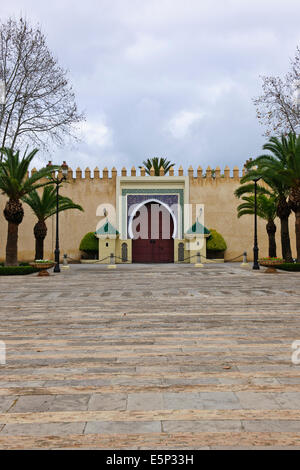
158	356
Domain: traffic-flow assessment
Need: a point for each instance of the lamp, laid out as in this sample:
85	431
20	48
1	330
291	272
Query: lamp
58	181
255	247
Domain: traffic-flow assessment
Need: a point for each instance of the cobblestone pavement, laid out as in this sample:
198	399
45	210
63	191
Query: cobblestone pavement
158	356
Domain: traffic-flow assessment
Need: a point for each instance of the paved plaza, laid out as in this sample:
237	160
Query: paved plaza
150	356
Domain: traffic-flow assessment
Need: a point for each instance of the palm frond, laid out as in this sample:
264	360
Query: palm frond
44	206
14	181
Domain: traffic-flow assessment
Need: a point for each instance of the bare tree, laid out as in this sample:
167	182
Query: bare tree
275	107
39	106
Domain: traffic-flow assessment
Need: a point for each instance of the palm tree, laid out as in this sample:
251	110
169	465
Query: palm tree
44	207
157	163
15	183
269	167
291	177
266	209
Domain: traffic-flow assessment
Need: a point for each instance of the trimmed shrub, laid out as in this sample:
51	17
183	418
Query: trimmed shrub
89	245
215	242
16	270
289	266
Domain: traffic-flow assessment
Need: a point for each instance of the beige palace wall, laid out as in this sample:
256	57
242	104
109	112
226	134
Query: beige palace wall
89	193
217	195
220	207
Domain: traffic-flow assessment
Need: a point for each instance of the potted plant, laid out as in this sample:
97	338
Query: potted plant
270	263
42	265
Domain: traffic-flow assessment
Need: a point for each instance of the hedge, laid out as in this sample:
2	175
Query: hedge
215	242
16	270
89	242
288	266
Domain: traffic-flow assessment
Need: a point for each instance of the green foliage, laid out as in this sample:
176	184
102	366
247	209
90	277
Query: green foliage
216	242
289	266
23	263
279	169
44	206
282	166
13	174
89	243
16	270
157	163
266	206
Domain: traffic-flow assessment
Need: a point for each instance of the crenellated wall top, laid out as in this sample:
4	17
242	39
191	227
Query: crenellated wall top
195	175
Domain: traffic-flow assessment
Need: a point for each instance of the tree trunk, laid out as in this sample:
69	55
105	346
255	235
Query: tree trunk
40	232
285	240
13	213
294	204
271	230
12	245
283	212
39	248
297	229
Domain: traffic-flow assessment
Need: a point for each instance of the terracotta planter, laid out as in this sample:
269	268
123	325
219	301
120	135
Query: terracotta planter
43	267
270	264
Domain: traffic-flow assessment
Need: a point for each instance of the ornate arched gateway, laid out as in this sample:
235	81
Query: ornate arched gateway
152	226
151	221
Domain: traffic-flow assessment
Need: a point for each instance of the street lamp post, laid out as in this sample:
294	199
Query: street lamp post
255	247
58	181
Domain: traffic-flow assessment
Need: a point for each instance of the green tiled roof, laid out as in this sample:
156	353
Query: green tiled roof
198	229
107	229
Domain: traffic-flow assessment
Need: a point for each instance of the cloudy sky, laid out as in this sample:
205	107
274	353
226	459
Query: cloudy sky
169	78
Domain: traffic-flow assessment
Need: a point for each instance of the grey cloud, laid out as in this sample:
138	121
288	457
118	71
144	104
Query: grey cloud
139	66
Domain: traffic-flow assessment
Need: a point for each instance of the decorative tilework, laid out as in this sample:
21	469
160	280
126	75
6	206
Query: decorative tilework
135	196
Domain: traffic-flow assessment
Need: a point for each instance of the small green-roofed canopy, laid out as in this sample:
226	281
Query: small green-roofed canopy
107	229
198	229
